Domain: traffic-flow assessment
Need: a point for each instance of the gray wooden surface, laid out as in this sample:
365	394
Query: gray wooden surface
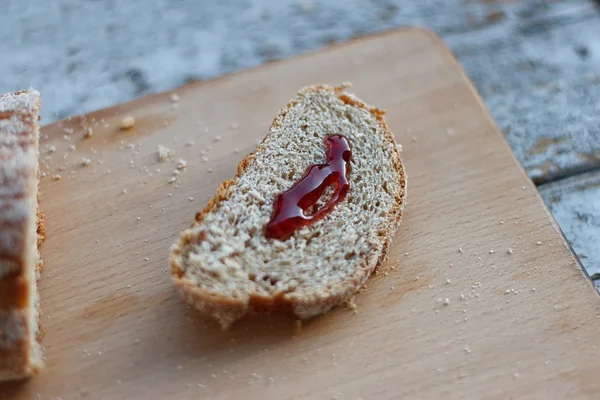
575	203
539	73
535	62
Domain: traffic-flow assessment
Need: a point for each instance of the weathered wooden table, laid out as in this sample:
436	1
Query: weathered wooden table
535	62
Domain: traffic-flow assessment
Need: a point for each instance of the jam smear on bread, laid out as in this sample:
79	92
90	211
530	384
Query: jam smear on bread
291	206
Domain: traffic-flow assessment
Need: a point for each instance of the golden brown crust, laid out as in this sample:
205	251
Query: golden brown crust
226	309
19	116
41	224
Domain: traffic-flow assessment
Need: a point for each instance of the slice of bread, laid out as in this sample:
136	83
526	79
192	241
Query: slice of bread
21	234
226	267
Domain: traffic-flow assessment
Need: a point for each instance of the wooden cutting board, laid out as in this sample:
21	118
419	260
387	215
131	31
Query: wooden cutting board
481	297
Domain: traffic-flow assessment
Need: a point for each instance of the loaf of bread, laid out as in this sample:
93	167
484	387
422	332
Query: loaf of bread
21	234
226	266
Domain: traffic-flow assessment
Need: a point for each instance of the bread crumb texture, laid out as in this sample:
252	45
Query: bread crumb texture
127	122
226	267
163	153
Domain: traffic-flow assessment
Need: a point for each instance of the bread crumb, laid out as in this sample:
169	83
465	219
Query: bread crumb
448	281
163	153
175	97
127	122
72	147
138	218
57	177
181	164
460	250
256	195
68	131
538	243
204	159
146	259
351	303
89	132
209	170
190	198
510	251
189	144
172	179
85	162
124	191
399	147
176	172
218	138
234	125
236	150
491	251
444	300
51	149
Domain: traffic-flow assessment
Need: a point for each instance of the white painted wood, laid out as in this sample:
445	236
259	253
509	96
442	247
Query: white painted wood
575	203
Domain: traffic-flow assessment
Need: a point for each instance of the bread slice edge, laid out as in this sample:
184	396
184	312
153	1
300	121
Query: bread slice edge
21	316
225	309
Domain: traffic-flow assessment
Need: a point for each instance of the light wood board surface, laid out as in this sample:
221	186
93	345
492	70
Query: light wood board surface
517	325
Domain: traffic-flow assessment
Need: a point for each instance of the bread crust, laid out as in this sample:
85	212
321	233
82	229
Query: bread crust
19	131
226	309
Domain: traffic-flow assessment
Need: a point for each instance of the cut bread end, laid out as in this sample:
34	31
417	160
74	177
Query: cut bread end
22	232
226	267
